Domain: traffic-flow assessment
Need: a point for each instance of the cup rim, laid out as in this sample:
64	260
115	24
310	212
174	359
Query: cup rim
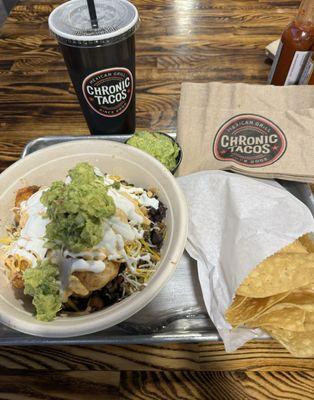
96	40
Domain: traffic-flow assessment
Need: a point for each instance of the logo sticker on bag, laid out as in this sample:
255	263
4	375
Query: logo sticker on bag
109	92
250	140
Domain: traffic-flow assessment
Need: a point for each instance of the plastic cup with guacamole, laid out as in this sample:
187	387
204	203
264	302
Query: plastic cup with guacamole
160	145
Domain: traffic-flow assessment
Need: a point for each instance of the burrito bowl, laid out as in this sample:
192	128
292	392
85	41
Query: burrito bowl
90	232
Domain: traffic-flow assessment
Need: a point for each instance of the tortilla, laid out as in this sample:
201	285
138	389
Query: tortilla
278	296
299	344
283	316
280	273
251	308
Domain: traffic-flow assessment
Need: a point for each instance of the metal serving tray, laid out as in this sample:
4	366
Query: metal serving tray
177	314
46	141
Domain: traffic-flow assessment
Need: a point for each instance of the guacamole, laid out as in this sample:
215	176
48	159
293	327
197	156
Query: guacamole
42	284
77	210
159	146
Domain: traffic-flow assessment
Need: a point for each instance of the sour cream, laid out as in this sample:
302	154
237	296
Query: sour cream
127	231
147	201
68	265
78	264
33	206
31	243
127	206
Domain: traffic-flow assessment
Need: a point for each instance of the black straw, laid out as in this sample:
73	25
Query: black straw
92	13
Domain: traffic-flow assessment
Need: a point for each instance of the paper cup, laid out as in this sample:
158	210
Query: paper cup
135	166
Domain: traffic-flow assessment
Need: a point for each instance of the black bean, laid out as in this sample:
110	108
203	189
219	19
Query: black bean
159	214
122	268
156	238
96	303
80	303
146	235
106	297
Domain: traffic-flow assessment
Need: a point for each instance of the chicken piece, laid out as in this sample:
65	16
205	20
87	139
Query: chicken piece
17	281
15	268
23	194
95	281
83	282
75	287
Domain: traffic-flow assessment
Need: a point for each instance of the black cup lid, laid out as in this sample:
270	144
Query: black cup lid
71	24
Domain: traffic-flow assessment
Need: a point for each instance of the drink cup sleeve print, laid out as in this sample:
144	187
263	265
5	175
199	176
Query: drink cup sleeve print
109	92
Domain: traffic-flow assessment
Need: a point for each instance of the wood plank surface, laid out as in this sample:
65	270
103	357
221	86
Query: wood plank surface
255	356
70	385
157	385
161	385
237	385
179	40
260	370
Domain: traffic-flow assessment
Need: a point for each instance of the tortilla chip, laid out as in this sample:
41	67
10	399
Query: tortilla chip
294	247
278	296
299	344
302	298
307	242
251	308
283	316
309	322
237	301
278	274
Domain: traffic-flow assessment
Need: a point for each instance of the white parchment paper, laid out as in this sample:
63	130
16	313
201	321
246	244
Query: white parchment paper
235	222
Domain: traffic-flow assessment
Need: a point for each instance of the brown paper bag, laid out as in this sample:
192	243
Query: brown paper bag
257	130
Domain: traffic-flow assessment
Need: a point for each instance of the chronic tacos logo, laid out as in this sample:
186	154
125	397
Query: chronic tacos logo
109	91
250	140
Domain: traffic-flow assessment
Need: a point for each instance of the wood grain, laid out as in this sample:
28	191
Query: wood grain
236	385
70	385
179	40
156	385
254	356
195	40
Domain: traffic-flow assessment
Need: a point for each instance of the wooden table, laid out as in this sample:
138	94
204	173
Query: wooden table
179	40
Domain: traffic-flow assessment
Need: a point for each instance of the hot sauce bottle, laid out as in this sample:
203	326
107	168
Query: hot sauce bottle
294	48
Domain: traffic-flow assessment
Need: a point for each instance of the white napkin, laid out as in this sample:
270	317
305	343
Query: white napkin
235	222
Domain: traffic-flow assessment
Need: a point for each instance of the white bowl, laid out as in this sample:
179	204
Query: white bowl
52	163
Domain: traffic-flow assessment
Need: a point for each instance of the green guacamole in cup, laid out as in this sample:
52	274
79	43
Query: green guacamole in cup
159	145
